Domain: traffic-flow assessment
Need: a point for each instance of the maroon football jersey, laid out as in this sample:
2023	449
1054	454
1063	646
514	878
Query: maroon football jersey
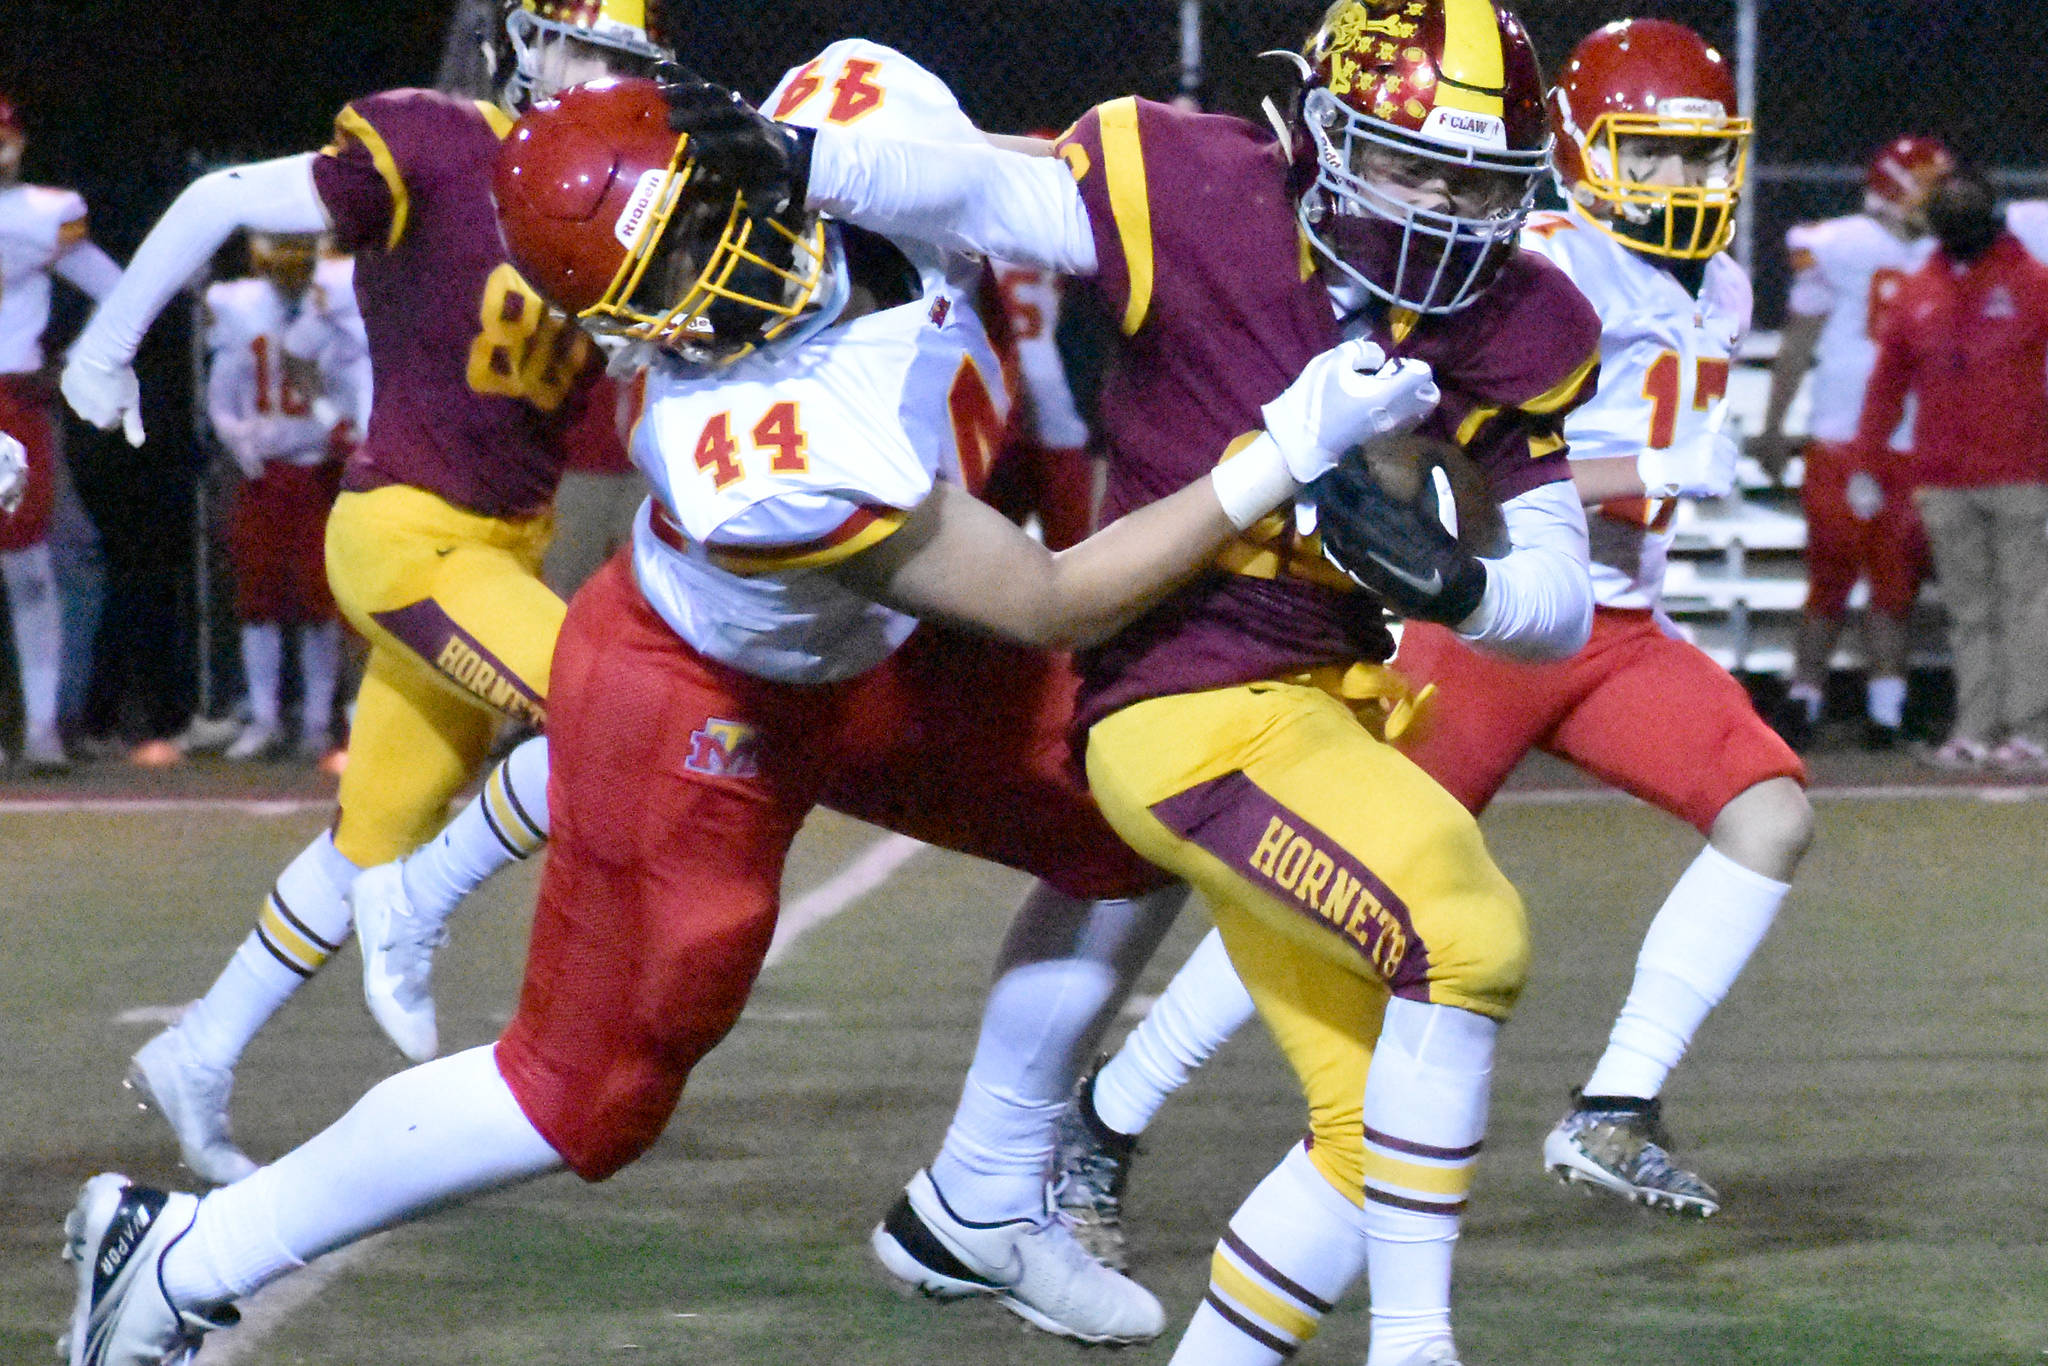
475	379
1201	259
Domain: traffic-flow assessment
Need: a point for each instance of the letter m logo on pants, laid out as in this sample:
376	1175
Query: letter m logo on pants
724	749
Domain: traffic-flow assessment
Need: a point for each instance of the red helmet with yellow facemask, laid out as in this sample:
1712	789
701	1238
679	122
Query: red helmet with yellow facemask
1649	139
604	213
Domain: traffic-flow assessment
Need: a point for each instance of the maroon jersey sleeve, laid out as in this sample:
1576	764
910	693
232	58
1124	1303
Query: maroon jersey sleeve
385	156
1511	367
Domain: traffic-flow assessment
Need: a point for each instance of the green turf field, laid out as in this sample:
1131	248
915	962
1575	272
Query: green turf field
1872	1102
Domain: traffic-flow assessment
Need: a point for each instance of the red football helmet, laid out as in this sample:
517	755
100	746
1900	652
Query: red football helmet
1651	78
599	213
1901	175
1435	92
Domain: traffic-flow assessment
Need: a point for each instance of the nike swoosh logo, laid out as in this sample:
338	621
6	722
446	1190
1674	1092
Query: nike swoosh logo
1428	587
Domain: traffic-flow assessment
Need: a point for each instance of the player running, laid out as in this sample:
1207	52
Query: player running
1235	733
1652	177
742	665
1860	522
43	232
434	546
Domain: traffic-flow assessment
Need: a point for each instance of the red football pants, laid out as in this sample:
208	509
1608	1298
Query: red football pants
1889	548
676	787
25	416
277	533
1637	709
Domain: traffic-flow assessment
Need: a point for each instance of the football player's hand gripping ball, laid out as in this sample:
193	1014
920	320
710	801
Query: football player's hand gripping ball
1343	398
733	145
13	472
1396	549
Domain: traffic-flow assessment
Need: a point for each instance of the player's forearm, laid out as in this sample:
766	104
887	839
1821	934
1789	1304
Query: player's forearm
269	196
90	269
1795	353
1539	600
1606	480
958	196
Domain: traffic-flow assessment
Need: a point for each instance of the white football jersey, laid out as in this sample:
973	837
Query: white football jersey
2028	220
329	332
1031	299
37	225
1847	270
248	376
767	471
1664	362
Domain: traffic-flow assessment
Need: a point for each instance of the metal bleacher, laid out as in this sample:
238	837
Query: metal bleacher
1737	578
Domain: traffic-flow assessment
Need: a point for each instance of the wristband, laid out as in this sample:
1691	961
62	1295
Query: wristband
1252	479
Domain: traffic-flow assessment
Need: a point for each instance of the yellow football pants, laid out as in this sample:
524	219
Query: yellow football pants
461	631
1337	872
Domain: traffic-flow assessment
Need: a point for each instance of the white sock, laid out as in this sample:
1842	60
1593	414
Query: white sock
38	619
1810	695
1064	970
1705	932
304	919
437	1134
502	824
1202	1006
1425	1115
1885	700
262	663
319	666
1293	1248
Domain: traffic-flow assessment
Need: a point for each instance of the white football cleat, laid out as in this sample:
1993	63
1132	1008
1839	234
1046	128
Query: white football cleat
192	1096
1033	1267
254	742
398	959
117	1235
42	751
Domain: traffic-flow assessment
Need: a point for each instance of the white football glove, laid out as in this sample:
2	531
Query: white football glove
1343	398
1700	466
105	394
13	472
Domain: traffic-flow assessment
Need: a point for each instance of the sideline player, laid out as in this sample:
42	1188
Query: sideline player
1234	733
741	665
434	546
1859	522
265	406
1652	180
42	232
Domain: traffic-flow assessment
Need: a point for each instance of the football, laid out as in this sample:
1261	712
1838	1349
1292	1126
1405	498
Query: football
1405	466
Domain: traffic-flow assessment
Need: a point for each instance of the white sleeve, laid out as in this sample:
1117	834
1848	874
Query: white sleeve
269	196
1539	600
958	196
89	268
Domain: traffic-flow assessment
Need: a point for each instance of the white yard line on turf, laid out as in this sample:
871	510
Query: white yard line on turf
1880	792
874	866
102	806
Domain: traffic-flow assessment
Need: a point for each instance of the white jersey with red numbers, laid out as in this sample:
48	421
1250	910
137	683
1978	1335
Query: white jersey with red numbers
329	332
1664	360
37	225
1847	270
249	382
768	471
1031	301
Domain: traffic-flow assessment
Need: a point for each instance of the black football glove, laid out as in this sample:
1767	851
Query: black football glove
736	146
1397	550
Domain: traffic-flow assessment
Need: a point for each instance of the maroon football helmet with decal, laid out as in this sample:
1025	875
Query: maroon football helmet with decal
1425	122
602	213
